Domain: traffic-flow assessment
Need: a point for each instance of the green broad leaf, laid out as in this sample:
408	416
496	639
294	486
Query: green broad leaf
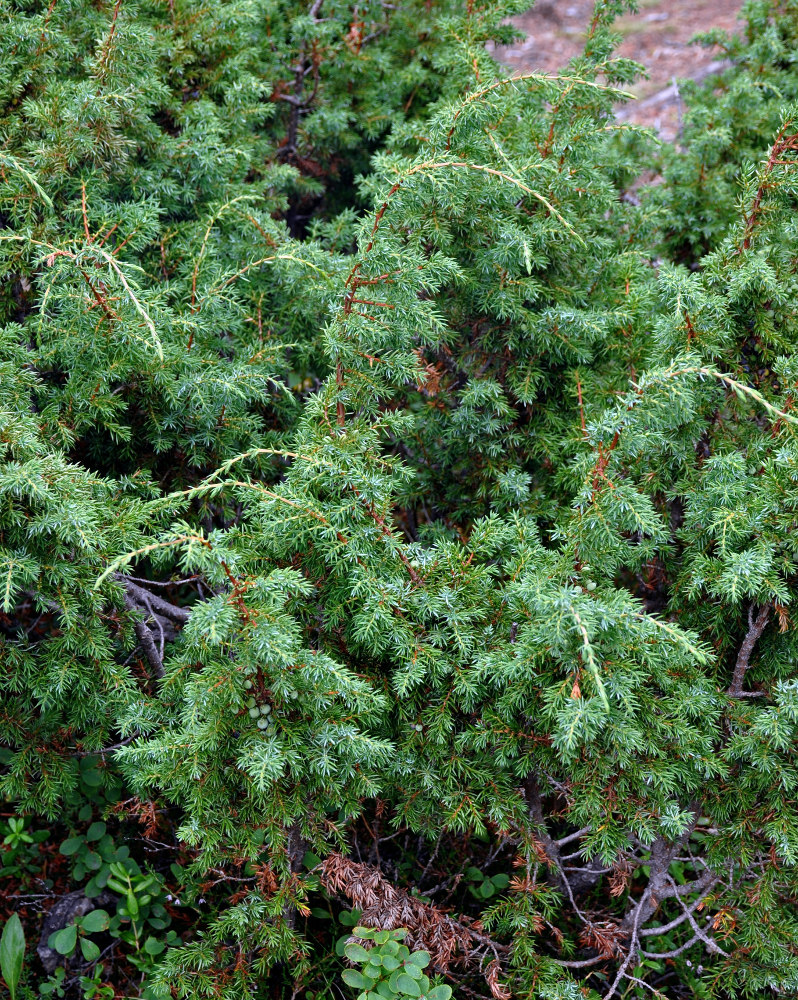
153	946
440	993
105	846
12	953
367	933
340	944
353	978
385	991
486	890
91	951
132	905
320	914
96	921
408	985
71	846
501	881
356	952
311	860
382	936
91	889
390	948
93	778
420	958
413	970
390	962
64	941
95	831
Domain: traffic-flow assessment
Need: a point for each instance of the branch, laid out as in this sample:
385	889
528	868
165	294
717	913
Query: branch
552	849
147	643
157	610
572	836
580	964
634	944
709	942
104	750
756	626
662	856
677	921
673	953
142	598
164	583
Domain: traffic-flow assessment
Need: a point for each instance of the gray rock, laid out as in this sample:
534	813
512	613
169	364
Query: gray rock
66	911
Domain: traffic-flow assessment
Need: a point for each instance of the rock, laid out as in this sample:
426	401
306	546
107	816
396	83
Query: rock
68	909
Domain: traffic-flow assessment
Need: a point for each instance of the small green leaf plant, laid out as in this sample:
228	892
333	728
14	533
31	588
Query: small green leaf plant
92	986
12	953
94	852
140	917
389	969
482	886
140	913
20	847
347	918
67	939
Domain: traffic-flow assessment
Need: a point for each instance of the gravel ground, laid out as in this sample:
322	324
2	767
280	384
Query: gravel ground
657	36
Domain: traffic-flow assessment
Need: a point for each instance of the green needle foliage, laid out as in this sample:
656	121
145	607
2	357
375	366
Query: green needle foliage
387	479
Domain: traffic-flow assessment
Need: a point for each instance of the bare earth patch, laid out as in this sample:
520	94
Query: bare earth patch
657	36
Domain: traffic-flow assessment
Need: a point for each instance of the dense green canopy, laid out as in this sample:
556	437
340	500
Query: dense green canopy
387	478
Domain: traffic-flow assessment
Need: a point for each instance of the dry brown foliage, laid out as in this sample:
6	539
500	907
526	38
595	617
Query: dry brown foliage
147	814
429	377
605	937
386	906
492	973
620	877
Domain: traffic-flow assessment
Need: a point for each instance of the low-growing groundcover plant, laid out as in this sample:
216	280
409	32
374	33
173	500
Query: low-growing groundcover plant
397	510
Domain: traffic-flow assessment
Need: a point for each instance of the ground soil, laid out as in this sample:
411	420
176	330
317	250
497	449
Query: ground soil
657	36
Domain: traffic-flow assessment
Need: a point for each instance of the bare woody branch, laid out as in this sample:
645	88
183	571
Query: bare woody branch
756	626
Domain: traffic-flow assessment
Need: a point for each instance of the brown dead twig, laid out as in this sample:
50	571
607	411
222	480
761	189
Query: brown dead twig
386	906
